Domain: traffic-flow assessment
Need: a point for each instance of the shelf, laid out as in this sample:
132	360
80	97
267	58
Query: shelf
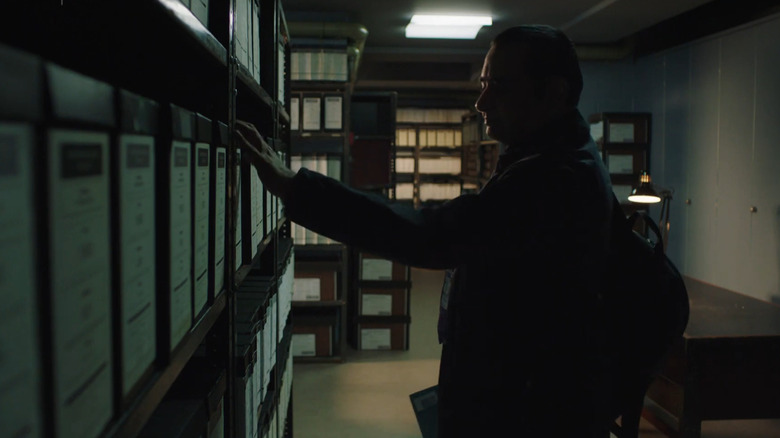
441	178
428	124
277	145
432	202
241	274
624	145
190	24
161	63
247	81
319	304
384	319
314	251
328	359
317	265
437	151
375	137
317	143
326	86
404	177
136	416
385	283
283	114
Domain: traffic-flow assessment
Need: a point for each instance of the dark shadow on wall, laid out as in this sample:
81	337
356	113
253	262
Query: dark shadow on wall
776	294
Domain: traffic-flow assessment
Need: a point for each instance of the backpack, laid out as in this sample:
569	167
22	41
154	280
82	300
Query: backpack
646	311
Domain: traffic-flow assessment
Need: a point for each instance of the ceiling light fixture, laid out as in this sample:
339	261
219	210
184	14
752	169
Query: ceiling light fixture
446	26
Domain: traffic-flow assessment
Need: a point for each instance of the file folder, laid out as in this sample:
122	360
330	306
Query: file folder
295	108
334	113
179	297
255	35
312	113
201	209
237	210
256	210
80	275
242	33
21	109
220	205
135	252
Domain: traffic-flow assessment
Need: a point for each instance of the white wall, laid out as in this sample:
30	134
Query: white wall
716	142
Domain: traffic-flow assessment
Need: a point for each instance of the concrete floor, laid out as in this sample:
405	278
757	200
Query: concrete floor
367	396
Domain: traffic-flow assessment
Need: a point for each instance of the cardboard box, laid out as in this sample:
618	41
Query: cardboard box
382	301
378	336
312	341
376	268
316	285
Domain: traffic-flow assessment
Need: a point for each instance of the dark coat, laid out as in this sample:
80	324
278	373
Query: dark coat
527	253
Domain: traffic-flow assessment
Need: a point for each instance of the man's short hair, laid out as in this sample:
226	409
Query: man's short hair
548	52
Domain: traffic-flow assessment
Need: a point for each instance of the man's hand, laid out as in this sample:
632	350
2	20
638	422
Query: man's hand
276	176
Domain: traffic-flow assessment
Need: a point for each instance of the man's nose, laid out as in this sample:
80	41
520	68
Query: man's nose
483	101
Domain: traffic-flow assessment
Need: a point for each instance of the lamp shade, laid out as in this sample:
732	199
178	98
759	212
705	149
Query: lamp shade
645	193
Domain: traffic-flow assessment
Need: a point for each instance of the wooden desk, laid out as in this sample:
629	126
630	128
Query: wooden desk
727	366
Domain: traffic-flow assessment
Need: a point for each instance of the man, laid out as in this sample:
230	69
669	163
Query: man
521	355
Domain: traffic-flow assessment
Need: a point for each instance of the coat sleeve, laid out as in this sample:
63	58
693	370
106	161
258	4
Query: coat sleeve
466	228
434	237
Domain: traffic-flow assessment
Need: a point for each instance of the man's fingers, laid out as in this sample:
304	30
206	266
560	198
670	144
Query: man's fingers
249	130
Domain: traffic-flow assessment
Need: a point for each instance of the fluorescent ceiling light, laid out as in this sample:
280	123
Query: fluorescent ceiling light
452	20
451	32
446	26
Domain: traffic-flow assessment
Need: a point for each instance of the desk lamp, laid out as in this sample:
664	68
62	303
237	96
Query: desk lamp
647	193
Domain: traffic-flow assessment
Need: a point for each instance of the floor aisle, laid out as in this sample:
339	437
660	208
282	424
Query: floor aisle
367	396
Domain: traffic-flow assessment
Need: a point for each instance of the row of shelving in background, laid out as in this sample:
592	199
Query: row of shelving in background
428	191
447	165
319	65
428	160
479	153
429	115
320	123
379	304
329	165
314	112
429	137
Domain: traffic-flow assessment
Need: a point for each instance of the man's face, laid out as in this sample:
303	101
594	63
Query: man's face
510	102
